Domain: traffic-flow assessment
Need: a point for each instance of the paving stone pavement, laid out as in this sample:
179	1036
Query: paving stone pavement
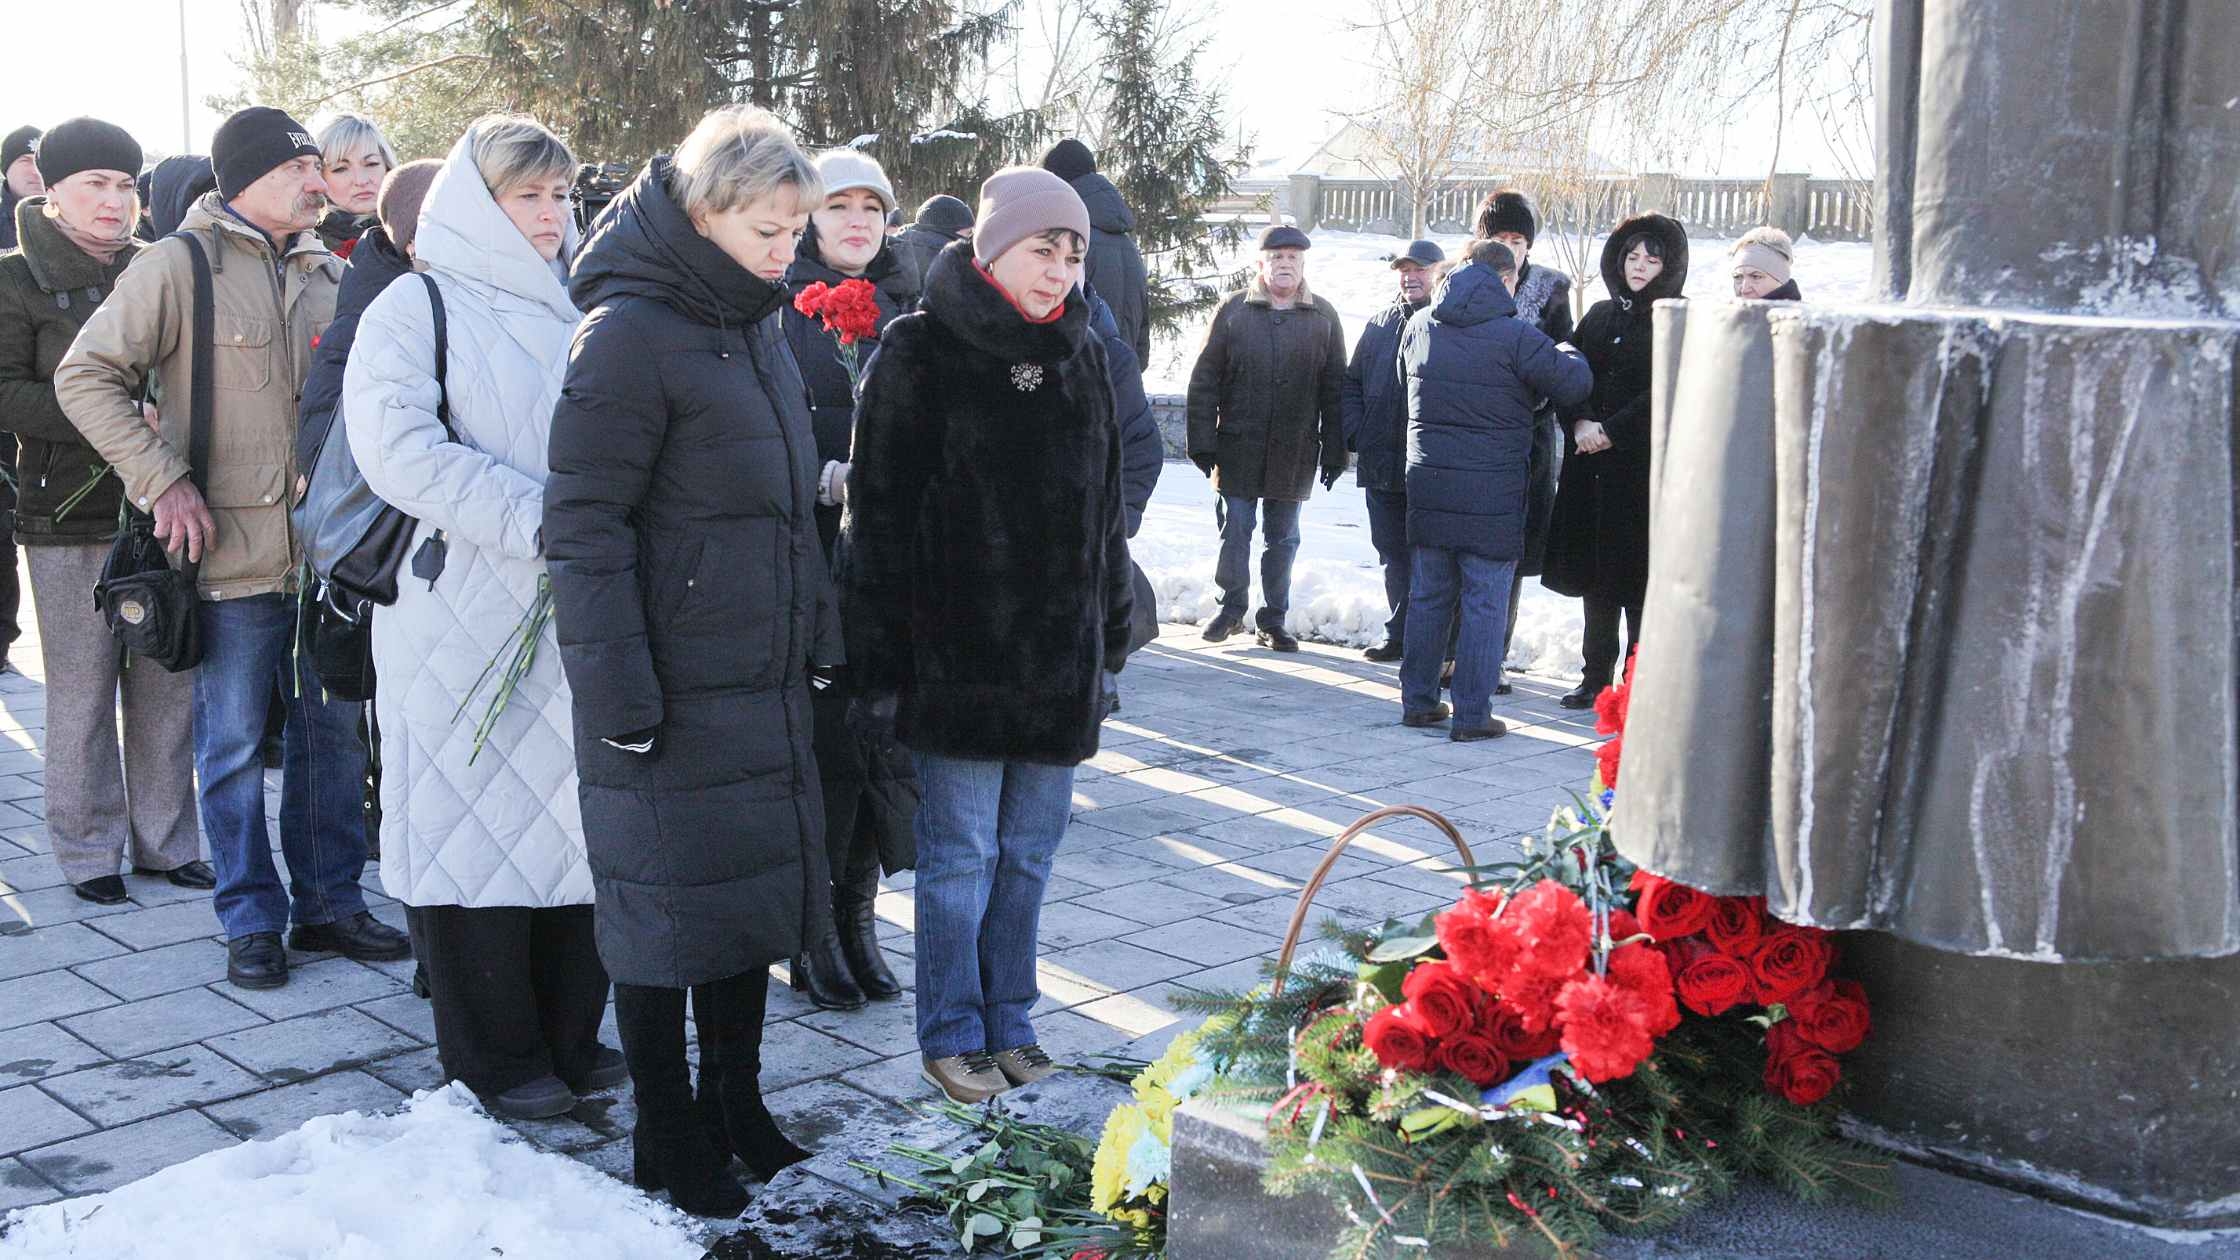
1218	788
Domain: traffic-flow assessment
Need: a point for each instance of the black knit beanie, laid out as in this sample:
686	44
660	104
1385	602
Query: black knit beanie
944	214
20	142
1508	212
1069	160
86	144
252	142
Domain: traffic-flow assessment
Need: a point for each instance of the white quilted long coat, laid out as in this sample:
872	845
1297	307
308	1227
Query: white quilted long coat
506	830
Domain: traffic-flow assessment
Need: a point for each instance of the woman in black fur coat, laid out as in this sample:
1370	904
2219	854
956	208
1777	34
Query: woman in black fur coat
987	586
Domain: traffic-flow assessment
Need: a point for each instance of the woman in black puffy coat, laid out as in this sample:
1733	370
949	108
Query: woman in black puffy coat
1598	536
693	605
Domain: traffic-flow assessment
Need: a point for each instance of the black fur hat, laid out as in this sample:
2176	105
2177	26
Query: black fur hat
1508	211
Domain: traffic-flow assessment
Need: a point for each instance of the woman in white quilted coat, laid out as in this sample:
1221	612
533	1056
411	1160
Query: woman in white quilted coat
484	848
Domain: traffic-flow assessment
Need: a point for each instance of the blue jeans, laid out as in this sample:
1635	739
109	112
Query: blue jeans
1279	544
249	649
1388	533
1442	578
987	832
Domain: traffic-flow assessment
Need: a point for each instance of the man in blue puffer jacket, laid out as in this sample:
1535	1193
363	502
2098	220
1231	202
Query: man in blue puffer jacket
1473	377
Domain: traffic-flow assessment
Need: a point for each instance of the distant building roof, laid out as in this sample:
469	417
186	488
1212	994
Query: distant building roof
1351	153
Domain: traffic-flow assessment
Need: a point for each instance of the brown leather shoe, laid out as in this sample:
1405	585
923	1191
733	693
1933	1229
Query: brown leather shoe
1025	1065
1432	716
966	1078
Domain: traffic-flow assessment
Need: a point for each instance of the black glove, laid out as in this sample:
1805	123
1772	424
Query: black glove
872	718
640	743
1205	463
1330	476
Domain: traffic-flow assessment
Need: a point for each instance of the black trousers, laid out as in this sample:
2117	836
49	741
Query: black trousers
1600	643
518	992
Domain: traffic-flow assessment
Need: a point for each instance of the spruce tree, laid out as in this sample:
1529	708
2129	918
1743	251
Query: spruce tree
1166	149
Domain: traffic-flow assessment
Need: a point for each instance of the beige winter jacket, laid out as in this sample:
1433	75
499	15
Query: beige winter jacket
267	321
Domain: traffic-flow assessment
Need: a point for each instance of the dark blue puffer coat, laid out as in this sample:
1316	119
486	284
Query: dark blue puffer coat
1372	410
1474	376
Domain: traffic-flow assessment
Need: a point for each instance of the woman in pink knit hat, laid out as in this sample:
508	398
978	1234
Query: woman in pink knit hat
988	587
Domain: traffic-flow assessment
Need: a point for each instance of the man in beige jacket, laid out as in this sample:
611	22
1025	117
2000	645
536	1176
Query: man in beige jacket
274	290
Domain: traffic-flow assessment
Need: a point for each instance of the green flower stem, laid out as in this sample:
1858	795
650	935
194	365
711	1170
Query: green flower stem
519	654
78	495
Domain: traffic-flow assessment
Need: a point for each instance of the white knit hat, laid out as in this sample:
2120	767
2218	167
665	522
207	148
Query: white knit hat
844	170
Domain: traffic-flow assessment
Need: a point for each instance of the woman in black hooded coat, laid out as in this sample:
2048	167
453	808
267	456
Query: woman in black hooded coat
693	603
1598	535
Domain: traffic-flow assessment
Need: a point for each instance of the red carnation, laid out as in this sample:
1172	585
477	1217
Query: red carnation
1736	924
1444	1000
851	311
1796	1070
1788	962
1610	709
1714	984
1669	910
1501	1024
1472	942
1623	924
1606	760
1832	1016
1641	971
1605	1028
1474	1058
1397	1037
1534	999
811	299
1553	930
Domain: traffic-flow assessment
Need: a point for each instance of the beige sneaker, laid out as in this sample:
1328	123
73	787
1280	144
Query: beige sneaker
966	1078
1025	1065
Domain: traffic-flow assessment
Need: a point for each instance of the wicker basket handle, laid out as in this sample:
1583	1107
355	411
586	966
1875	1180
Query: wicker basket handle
1330	859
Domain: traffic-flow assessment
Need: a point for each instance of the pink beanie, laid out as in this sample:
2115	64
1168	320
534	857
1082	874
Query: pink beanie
1022	201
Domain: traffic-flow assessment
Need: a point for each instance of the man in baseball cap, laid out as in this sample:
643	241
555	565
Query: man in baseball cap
1373	411
232	518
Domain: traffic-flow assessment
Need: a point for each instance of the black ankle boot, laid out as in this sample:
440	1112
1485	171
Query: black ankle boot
732	1012
669	1150
820	972
858	926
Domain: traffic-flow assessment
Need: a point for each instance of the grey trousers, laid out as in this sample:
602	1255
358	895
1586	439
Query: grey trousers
101	810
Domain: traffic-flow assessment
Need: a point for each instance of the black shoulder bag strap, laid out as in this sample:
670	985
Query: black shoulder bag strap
201	401
427	563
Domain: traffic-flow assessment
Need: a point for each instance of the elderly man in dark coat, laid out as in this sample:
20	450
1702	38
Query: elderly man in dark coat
1474	376
1374	414
1264	414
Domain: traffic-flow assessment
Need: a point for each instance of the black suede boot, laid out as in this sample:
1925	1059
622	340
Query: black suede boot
669	1150
735	1009
858	923
707	1096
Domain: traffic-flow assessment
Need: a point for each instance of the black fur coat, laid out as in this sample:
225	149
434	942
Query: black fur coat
987	575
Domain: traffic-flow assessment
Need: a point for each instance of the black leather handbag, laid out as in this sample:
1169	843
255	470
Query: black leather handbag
151	607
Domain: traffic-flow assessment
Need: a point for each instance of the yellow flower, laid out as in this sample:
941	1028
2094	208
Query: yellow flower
1108	1175
1158	1109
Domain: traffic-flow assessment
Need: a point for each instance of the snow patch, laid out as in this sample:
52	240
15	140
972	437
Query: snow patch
1337	586
436	1178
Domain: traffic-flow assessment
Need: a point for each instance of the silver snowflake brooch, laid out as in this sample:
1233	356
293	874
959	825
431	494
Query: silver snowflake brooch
1026	377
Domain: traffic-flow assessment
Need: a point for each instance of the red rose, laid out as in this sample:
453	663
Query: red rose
1606	760
1474	1058
1605	1028
1473	943
1669	910
1640	971
1610	709
1623	924
1788	962
1553	931
1796	1070
1397	1037
1832	1016
1504	1027
1444	1000
1736	924
1714	984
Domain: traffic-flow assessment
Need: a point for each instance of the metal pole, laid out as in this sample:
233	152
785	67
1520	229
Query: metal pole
186	108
